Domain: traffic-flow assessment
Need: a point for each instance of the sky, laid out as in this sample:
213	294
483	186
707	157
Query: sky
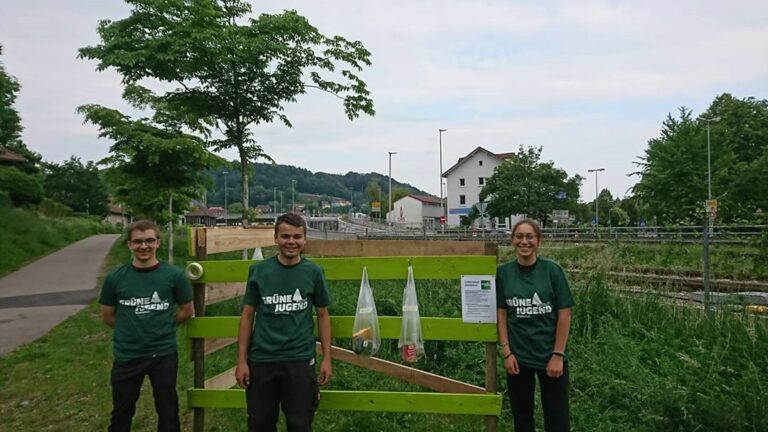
588	81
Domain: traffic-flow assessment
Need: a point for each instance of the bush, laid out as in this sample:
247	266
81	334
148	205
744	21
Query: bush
5	199
23	189
52	208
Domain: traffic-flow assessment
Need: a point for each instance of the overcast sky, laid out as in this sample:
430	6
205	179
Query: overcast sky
589	81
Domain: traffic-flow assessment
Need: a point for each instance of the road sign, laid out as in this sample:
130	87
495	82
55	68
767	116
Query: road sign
375	206
442	219
481	206
711	207
561	215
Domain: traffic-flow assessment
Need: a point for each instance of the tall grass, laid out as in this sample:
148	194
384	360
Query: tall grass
25	235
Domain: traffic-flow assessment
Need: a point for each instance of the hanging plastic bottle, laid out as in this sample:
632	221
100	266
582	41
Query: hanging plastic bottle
411	342
366	338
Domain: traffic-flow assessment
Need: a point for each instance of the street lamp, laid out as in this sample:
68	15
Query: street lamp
709	153
389	213
274	203
225	172
597	215
442	205
293	201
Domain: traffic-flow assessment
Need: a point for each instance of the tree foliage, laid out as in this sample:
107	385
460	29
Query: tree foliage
24	189
78	186
10	121
230	72
673	171
525	185
149	163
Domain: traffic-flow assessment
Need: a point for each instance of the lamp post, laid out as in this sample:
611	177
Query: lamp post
442	205
597	215
293	200
225	172
274	203
389	212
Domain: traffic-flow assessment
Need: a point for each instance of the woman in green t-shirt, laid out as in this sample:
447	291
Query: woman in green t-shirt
534	302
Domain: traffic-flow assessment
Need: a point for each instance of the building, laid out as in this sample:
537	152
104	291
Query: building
416	211
466	179
116	215
201	216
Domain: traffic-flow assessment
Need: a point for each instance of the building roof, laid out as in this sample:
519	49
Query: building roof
9	156
501	157
201	212
116	209
426	199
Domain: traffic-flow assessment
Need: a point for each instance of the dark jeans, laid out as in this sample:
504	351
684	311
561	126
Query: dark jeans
127	378
291	386
554	399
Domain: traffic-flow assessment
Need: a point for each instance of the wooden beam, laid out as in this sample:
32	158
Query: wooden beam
425	379
366	248
218	292
379	268
448	329
224	380
344	400
213	345
229	239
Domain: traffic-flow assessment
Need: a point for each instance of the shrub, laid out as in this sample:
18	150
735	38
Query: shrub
52	208
5	199
23	189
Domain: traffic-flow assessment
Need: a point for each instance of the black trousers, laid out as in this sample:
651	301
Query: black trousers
554	399
127	378
291	386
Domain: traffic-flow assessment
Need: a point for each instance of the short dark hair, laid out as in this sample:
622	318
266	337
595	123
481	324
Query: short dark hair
532	223
141	225
293	219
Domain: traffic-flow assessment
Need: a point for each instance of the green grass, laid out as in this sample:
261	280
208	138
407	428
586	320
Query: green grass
26	236
637	364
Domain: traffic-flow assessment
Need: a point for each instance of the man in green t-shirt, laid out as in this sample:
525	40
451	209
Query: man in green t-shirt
276	353
144	301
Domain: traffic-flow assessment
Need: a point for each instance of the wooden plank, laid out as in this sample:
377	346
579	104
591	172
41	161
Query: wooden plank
219	292
447	329
428	380
379	268
366	248
491	383
238	238
224	380
345	400
213	345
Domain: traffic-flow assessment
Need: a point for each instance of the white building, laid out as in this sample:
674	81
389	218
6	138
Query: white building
466	179
415	211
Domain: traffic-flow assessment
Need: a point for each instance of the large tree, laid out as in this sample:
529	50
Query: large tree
526	185
674	175
77	185
10	121
229	71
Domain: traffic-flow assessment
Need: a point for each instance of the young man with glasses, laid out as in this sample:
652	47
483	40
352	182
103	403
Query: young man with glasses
144	301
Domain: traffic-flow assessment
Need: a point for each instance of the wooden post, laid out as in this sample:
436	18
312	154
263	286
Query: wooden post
491	386
198	344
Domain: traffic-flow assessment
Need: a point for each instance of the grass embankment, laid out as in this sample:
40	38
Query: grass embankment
26	236
637	364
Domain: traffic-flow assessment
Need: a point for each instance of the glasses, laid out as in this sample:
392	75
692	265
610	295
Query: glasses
521	237
139	242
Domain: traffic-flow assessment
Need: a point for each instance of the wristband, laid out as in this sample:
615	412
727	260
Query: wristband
507	356
558	353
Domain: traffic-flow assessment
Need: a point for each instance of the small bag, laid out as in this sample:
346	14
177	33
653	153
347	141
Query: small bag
411	342
366	338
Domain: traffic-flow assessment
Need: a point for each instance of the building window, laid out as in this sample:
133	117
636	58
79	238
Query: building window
461	182
480	181
480	162
462	200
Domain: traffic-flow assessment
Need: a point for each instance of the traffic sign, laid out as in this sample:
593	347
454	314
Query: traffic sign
711	208
442	219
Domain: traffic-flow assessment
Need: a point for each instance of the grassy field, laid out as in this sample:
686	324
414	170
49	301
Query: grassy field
26	236
637	364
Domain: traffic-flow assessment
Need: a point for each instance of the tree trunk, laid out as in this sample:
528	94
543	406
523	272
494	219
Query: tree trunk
170	229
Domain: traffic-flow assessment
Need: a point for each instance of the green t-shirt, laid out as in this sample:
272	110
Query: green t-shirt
284	327
532	296
145	309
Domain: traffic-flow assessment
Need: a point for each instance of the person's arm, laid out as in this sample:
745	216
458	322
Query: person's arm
510	361
108	315
562	330
324	329
184	312
244	333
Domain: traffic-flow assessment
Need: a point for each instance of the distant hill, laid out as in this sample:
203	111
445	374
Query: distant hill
266	179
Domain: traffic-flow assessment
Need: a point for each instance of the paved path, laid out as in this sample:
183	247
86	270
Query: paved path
44	293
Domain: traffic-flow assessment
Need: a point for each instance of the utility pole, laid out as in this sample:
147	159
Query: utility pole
389	212
597	215
442	204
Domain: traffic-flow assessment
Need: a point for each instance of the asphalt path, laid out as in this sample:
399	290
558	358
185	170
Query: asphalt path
44	293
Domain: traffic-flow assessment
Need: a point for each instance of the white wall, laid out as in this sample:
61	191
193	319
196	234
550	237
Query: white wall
470	170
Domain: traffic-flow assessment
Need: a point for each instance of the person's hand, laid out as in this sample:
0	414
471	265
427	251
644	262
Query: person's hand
510	364
555	367
326	372
243	375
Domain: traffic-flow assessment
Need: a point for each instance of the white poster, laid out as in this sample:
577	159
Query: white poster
478	299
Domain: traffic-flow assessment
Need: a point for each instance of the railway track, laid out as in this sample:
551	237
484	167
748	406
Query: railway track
688	281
